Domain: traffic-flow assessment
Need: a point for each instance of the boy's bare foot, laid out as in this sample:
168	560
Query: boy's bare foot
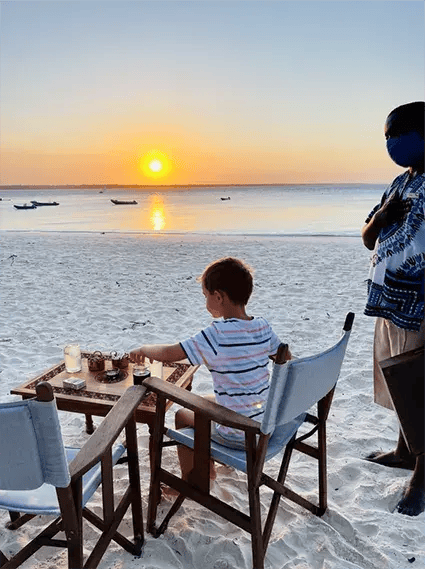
213	472
392	459
413	502
168	492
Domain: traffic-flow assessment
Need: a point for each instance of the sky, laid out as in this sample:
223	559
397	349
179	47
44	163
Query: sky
204	92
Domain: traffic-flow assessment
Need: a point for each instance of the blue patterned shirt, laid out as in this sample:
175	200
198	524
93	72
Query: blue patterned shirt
396	280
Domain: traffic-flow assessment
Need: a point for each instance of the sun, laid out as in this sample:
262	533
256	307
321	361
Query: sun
155	164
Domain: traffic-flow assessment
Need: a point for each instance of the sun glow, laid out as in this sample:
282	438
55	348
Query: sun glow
155	164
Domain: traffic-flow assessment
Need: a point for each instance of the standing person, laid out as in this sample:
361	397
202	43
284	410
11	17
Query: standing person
395	230
235	349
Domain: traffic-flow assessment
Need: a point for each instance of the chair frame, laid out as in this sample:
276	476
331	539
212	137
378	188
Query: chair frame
97	448
197	487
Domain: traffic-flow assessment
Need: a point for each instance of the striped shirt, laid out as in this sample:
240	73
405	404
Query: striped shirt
236	352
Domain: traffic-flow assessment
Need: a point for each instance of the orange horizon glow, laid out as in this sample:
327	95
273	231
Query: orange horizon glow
194	163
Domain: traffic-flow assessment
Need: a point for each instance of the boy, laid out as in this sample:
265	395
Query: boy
235	349
395	229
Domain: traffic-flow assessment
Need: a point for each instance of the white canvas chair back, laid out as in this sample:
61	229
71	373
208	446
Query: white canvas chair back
298	384
31	446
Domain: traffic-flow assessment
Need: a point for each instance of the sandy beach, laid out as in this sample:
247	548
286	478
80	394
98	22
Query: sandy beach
115	292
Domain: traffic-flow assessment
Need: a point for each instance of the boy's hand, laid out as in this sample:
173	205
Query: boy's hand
137	356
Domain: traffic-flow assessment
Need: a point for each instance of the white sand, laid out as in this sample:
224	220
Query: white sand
117	292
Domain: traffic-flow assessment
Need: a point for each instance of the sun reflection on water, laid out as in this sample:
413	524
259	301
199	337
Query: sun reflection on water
157	213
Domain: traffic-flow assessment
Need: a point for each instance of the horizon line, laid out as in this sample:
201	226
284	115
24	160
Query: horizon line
135	186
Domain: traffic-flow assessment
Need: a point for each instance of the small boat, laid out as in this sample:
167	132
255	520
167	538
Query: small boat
122	202
223	199
37	204
25	206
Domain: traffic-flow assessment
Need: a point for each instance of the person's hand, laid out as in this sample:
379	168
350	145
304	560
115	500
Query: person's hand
137	356
393	210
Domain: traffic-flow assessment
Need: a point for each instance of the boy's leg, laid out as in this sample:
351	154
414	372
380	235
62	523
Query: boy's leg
184	418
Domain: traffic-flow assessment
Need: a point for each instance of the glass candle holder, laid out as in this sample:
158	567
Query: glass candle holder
72	356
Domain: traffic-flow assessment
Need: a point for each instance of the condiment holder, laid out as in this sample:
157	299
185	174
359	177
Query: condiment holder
120	362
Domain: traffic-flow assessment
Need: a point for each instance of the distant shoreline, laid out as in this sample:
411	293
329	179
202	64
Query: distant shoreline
170	186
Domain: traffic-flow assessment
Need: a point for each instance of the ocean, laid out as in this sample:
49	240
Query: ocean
307	209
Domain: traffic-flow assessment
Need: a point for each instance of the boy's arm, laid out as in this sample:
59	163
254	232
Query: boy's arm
158	352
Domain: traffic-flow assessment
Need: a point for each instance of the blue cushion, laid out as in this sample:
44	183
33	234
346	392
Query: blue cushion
43	500
237	458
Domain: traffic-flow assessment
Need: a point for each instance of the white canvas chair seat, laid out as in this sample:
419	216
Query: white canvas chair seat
297	387
40	476
44	500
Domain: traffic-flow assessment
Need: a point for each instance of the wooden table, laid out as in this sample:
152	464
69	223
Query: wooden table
97	398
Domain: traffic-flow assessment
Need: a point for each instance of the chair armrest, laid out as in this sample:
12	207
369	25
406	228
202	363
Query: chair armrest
213	411
106	434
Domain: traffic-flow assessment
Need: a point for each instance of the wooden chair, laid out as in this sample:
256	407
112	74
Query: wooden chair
38	475
295	386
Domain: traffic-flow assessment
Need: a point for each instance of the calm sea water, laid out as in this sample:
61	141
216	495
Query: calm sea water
261	210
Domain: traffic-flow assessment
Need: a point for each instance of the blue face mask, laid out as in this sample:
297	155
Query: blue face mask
407	149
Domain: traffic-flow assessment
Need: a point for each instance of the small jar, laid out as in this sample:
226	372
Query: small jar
96	361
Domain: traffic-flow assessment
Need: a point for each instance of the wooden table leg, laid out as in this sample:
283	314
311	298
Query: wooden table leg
89	425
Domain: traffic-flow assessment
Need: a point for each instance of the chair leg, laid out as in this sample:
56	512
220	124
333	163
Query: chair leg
134	479
72	525
18	520
323	483
14	516
258	550
156	532
39	541
156	457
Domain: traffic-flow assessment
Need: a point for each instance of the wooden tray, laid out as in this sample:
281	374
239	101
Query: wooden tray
178	373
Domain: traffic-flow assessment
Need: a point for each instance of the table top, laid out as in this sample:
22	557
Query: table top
99	393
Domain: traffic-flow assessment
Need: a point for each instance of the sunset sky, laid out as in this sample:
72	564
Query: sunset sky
176	92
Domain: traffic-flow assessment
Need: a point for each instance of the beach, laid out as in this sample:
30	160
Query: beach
111	291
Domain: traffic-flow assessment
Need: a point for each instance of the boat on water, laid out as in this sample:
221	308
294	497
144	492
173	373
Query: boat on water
38	204
25	206
123	202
